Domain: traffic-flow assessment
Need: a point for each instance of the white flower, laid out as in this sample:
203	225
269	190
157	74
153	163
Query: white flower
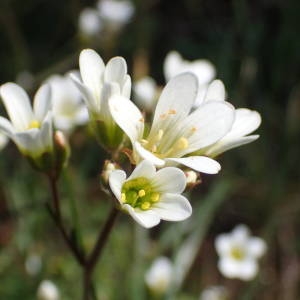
239	252
69	110
47	290
245	122
33	264
158	277
89	22
99	83
149	195
115	13
176	132
214	293
204	70
30	129
145	92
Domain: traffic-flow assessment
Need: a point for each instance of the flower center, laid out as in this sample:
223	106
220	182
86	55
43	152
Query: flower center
168	141
139	193
34	124
237	253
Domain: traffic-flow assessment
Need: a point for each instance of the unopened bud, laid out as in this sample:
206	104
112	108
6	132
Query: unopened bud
192	178
62	151
107	169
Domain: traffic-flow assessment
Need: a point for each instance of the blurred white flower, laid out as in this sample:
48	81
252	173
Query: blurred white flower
99	83
69	110
239	252
149	195
214	293
115	13
204	70
25	79
89	22
33	264
158	277
145	92
47	290
176	132
245	122
30	129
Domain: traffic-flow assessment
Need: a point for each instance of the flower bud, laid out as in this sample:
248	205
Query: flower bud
62	151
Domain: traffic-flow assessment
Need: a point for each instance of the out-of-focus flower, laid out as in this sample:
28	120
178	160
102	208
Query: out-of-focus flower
214	293
99	83
89	22
149	195
158	277
176	132
115	13
25	79
145	92
245	122
204	70
33	264
69	110
30	129
239	252
47	290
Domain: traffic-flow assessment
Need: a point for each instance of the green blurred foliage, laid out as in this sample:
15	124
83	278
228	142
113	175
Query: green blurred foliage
255	48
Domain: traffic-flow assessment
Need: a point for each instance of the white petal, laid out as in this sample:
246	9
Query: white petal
240	234
126	88
127	116
246	121
86	94
172	65
177	97
223	244
17	105
143	169
46	132
229	267
201	164
202	68
256	247
226	144
115	70
6	127
173	207
146	218
208	124
116	180
248	269
215	91
170	180
91	68
29	142
145	154
42	102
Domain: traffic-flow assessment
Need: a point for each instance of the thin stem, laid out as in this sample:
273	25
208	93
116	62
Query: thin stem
95	255
56	215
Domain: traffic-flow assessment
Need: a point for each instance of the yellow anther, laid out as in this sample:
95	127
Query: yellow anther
160	134
155	197
172	112
193	129
142	193
154	148
34	124
144	142
182	143
123	197
163	116
142	120
145	205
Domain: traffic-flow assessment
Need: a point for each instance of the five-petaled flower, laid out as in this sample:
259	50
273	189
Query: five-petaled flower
30	128
239	252
149	195
99	83
176	132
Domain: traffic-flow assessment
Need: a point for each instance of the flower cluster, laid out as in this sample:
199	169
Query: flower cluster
192	124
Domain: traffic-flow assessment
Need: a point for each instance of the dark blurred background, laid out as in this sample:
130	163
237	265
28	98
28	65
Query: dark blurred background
255	47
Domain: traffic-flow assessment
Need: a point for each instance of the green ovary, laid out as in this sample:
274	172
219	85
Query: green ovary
139	193
237	253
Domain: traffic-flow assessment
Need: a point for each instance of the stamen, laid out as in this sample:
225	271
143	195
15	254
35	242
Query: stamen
172	112
123	197
160	134
145	205
142	193
154	148
144	142
182	143
155	197
34	124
